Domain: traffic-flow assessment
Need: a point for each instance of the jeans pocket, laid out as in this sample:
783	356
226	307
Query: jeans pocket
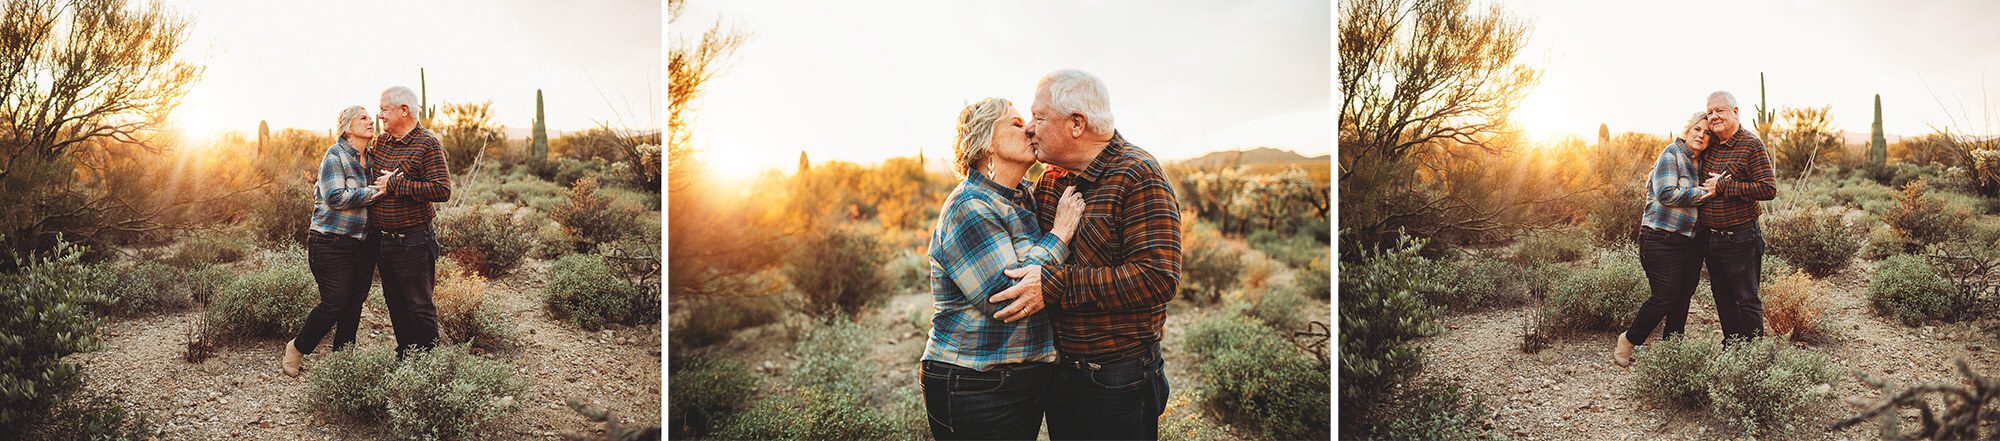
1120	380
315	238
962	384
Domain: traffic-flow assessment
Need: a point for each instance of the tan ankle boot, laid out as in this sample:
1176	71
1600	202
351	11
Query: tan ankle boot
294	360
1623	354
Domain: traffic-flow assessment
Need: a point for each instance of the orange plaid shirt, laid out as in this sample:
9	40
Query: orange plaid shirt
1110	297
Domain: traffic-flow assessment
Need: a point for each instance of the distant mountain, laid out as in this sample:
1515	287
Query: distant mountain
511	132
1256	156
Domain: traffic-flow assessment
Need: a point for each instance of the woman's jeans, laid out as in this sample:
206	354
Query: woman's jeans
342	267
1673	270
1003	403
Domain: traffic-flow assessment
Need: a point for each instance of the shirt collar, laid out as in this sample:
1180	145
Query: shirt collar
405	139
975	177
1112	150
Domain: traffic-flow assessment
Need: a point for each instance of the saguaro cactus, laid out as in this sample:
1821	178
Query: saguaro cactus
1878	145
424	109
1765	116
538	150
263	132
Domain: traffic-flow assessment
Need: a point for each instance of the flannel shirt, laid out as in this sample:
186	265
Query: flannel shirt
342	195
426	179
1751	179
1110	298
983	230
1673	192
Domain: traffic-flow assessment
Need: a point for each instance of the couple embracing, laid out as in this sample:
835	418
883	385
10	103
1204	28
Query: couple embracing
1702	209
372	211
1050	297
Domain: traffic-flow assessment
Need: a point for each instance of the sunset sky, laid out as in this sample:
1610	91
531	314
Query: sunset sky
864	82
1645	66
296	64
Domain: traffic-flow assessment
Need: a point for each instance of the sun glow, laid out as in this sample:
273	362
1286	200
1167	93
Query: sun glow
1541	121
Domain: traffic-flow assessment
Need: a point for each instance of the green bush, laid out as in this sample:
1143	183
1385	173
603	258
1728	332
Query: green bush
1210	266
1925	218
1817	241
1486	284
1553	247
1885	241
1261	379
705	393
911	271
1753	385
582	289
1280	308
270	301
448	393
487	239
839	270
282	214
208	247
99	418
828	397
153	287
1908	288
712	319
1296	250
593	216
1603	296
1438	410
1382	311
43	317
1612	216
349	382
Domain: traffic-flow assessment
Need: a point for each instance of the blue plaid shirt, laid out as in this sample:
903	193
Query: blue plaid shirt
983	230
1673	197
342	195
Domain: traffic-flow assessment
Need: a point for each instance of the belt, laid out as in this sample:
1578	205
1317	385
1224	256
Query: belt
1147	352
406	232
1731	230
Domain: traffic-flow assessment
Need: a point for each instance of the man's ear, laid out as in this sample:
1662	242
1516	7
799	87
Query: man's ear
1076	124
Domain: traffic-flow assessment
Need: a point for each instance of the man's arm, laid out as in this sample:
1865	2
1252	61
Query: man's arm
1760	184
1152	227
434	182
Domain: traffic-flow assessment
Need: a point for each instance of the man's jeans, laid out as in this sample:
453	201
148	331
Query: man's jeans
1673	270
342	267
1003	403
1116	400
1735	262
408	262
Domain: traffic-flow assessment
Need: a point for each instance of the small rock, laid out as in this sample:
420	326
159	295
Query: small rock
768	365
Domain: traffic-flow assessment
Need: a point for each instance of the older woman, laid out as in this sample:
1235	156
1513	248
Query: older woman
1670	247
341	262
987	365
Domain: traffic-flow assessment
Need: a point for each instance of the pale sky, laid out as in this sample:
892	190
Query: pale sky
297	64
865	81
1645	66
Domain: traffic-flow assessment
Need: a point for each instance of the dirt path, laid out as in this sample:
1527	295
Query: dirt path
1571	390
239	393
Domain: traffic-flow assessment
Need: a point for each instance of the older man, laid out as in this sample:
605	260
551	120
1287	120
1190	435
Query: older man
411	166
1108	302
1729	218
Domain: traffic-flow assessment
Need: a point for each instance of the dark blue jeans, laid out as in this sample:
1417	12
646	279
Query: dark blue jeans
408	262
1673	270
1735	263
1115	400
342	267
1002	403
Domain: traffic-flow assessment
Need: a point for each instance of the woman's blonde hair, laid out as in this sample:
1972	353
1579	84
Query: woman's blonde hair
975	132
1698	118
347	116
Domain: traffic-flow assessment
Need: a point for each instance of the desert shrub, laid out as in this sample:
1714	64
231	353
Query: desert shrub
448	393
1382	310
1612	216
1925	218
1602	296
594	217
1281	308
712	319
1295	250
43	318
705	392
582	289
1210	265
349	382
1255	277
1261	379
1485	284
98	418
827	399
839	270
1815	240
1191	428
1908	288
1793	305
1432	409
1675	370
148	287
282	214
533	193
1315	282
206	247
910	270
487	239
553	241
464	315
1553	247
1885	241
1767	383
269	301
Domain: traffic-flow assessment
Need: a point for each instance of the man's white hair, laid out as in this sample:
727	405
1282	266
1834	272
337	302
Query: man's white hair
1079	92
400	95
1724	94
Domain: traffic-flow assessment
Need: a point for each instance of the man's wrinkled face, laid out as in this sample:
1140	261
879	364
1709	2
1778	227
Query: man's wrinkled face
394	115
1722	116
1053	135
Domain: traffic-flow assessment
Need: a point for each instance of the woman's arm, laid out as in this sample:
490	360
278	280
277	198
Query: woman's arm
332	178
1669	171
975	248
